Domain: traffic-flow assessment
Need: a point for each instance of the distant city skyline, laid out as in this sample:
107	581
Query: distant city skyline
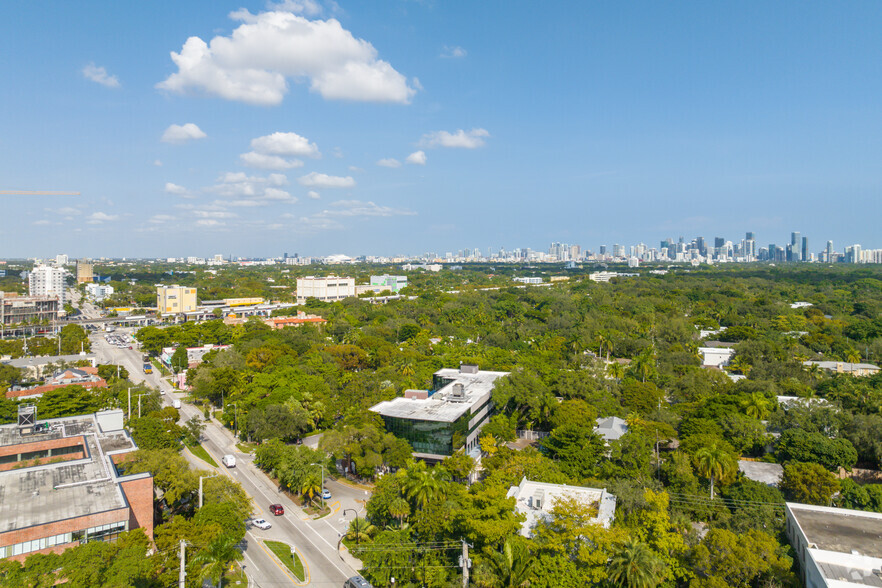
398	127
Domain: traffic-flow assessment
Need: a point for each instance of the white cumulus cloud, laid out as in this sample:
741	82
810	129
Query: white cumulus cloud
182	133
263	161
96	218
313	195
359	208
462	139
389	162
453	52
287	144
256	61
99	75
417	158
317	180
177	190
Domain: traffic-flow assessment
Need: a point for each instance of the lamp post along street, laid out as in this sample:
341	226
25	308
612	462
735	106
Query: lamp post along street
357	531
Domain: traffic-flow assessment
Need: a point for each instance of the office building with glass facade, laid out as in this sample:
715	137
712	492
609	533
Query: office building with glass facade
448	418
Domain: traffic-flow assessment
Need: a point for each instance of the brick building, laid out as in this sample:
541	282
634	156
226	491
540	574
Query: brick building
60	485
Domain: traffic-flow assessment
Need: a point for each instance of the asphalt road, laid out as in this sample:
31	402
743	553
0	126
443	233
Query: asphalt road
315	541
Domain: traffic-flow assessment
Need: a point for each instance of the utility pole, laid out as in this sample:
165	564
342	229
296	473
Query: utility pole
200	487
130	404
465	564
182	576
139	404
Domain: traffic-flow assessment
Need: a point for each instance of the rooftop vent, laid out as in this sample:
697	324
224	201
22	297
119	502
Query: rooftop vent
27	419
457	393
468	368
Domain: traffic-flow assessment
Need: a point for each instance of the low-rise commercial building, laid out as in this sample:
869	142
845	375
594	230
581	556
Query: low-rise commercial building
326	289
536	500
85	377
38	367
449	417
528	280
175	299
61	484
835	547
386	282
17	310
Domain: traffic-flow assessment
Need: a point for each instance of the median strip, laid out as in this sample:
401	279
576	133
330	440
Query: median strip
290	558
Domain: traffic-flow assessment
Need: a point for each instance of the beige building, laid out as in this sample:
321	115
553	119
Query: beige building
329	289
84	272
175	299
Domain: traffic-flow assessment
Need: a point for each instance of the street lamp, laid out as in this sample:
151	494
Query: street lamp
357	533
321	465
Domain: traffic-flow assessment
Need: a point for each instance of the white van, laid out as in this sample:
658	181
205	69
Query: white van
229	460
176	403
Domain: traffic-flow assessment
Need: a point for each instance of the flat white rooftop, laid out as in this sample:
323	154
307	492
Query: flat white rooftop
535	500
32	496
444	405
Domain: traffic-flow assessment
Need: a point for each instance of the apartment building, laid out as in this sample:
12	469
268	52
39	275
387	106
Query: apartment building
47	280
84	272
175	299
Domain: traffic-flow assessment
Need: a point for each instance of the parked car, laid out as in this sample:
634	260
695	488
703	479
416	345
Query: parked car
326	494
261	524
277	509
357	582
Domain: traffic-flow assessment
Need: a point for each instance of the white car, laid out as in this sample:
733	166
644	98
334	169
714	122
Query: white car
261	524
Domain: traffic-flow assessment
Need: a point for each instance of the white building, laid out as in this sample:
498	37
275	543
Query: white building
61	259
611	428
717	357
835	547
99	292
328	289
602	276
47	280
387	282
535	500
528	280
439	422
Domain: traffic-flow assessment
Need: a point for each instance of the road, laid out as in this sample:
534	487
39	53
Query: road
315	540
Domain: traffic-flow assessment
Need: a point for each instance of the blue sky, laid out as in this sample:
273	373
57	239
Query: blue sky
405	126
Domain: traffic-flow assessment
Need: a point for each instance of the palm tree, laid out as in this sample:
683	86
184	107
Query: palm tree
513	565
634	565
422	485
360	530
756	405
714	462
616	370
214	559
399	509
310	486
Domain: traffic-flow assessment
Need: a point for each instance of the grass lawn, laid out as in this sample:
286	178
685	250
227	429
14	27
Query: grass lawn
200	452
283	552
246	447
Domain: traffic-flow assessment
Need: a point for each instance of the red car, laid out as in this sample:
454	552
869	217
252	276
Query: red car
277	509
